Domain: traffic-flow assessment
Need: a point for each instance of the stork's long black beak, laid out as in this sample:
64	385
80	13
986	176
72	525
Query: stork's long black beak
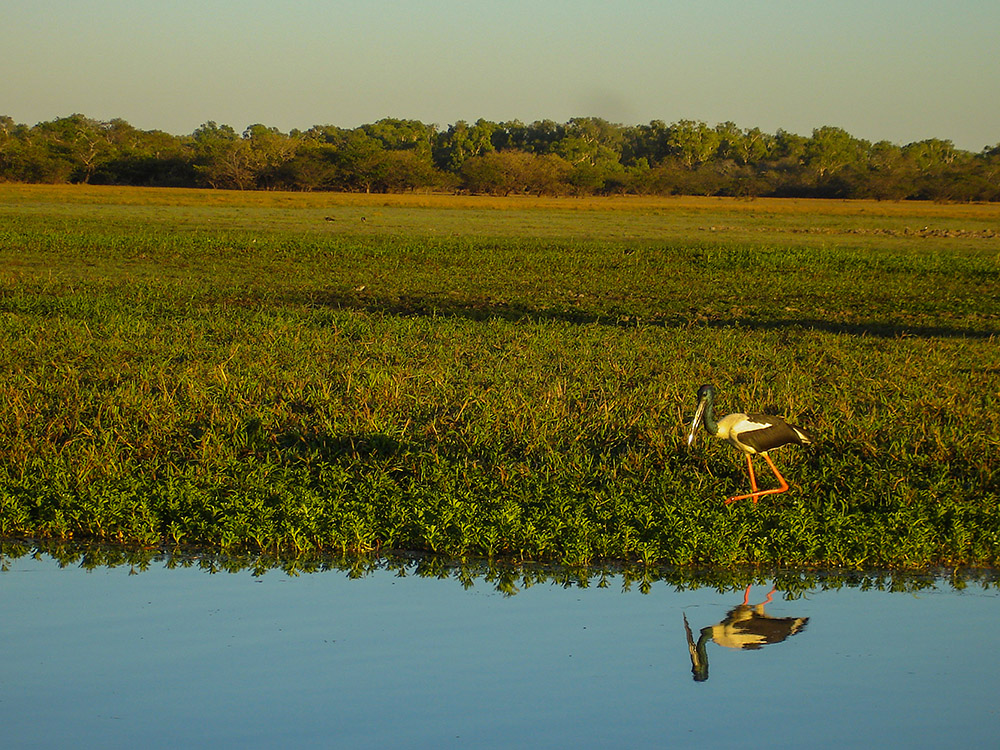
696	422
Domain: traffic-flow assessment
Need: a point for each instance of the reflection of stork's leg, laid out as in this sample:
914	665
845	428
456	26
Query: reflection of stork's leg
770	597
753	483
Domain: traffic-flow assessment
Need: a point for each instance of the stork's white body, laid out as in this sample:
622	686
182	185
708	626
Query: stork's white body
759	433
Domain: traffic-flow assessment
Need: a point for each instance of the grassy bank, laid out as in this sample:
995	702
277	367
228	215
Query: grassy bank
273	372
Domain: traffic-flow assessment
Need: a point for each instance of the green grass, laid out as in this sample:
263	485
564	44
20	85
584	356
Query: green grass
505	379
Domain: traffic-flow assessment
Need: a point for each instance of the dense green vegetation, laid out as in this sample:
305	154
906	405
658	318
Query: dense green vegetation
585	156
497	378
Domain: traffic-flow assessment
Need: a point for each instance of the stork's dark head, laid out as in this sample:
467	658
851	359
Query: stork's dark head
706	397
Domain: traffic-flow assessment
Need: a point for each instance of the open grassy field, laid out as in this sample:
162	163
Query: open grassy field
501	377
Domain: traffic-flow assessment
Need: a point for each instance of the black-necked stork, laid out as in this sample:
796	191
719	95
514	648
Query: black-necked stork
754	434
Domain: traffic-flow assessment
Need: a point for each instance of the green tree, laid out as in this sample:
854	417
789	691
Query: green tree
743	146
403	135
790	147
540	137
646	142
313	167
265	152
217	160
590	139
989	164
360	161
507	172
593	147
693	143
462	141
403	171
888	176
150	158
80	141
10	148
931	155
832	149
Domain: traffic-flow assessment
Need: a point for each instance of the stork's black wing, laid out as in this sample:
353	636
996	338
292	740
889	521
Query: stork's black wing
766	432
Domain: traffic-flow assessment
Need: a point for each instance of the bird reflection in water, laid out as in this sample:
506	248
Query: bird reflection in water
746	626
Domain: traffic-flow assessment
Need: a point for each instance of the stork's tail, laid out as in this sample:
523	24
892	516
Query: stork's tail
804	437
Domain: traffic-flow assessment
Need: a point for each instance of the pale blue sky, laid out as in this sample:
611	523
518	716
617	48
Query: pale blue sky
901	70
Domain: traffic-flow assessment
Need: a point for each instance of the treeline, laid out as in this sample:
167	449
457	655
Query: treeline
585	156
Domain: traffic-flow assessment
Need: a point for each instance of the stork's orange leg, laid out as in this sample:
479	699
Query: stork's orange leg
757	493
784	484
753	483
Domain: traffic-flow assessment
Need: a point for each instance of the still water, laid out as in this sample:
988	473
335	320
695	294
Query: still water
165	655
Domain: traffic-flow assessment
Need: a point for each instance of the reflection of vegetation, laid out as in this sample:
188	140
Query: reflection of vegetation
507	578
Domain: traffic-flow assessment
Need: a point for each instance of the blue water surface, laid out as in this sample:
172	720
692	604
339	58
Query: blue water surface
179	657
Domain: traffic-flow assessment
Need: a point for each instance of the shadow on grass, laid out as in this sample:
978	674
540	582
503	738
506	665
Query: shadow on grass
333	448
486	309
